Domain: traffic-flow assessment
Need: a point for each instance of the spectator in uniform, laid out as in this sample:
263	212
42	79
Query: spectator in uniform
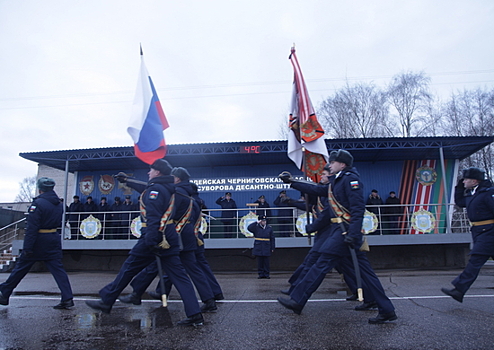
74	219
285	216
42	243
116	219
263	207
392	214
375	199
228	216
90	207
477	195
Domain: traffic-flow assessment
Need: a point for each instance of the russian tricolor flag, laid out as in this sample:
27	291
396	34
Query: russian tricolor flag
148	120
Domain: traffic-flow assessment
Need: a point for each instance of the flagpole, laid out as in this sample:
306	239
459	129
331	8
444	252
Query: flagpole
304	160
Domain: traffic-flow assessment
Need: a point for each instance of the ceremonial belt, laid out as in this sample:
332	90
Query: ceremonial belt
338	209
262	239
480	223
185	218
47	230
169	222
337	220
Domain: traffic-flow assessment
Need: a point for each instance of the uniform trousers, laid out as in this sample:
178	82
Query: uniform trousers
206	269
173	268
22	267
464	280
146	277
314	277
263	266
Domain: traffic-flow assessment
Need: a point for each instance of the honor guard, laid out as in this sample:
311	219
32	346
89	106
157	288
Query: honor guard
158	238
346	209
42	243
477	195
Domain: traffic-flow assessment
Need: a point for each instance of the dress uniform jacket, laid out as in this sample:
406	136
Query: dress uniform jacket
266	243
45	213
156	200
480	207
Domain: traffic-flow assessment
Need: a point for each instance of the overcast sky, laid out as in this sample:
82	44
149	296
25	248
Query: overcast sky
69	69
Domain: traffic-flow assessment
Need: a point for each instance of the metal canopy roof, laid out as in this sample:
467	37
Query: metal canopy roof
270	152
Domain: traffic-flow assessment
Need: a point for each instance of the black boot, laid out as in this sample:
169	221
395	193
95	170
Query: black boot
291	304
366	306
219	296
352	297
194	320
454	293
285	291
154	295
383	318
132	298
209	306
99	305
65	304
3	299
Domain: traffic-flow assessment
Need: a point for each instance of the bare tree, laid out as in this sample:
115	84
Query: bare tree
27	189
355	111
283	128
410	98
471	113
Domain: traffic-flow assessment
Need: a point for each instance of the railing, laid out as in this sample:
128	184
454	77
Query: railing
10	232
408	219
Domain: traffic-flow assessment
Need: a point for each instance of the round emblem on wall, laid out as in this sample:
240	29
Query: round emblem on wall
245	222
302	222
90	227
135	227
370	222
86	185
423	221
426	175
106	184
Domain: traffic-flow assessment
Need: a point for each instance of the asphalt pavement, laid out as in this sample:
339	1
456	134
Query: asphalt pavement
250	317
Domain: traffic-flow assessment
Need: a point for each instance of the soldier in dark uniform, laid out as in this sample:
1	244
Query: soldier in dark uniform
187	212
264	245
90	207
116	219
74	219
228	216
42	243
477	195
263	207
285	216
348	192
158	238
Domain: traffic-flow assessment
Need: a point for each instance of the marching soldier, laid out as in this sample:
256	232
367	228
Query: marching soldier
477	195
348	206
158	238
42	243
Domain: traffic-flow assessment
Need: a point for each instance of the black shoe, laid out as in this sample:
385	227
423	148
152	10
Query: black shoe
267	277
99	305
383	318
285	291
131	299
64	304
454	293
366	306
260	277
352	297
4	300
209	306
219	296
154	295
194	320
291	304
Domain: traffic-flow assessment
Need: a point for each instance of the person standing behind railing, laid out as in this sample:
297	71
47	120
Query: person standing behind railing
285	216
75	207
228	216
375	199
392	214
